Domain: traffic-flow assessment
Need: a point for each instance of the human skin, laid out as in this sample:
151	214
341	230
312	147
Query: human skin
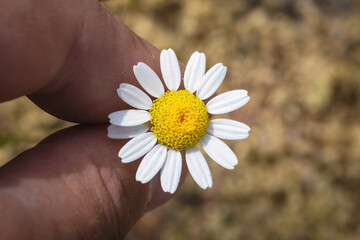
69	57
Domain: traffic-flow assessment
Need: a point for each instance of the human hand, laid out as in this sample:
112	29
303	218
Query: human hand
69	57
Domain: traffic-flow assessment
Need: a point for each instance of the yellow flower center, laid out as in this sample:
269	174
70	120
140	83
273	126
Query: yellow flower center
179	119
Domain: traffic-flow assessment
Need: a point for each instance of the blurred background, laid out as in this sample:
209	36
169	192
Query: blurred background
299	171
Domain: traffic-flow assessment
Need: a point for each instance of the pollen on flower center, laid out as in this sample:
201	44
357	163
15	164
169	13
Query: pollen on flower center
179	119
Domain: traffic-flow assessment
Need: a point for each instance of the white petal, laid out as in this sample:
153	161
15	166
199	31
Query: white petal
195	70
151	163
211	81
137	147
127	118
198	168
134	96
227	102
148	80
228	129
117	132
219	151
170	69
171	171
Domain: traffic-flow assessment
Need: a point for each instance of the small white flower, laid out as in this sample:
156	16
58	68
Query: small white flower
178	120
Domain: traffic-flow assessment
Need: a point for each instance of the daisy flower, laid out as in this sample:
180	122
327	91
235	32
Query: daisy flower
177	120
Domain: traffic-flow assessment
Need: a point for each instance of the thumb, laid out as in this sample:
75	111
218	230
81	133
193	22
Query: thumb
73	186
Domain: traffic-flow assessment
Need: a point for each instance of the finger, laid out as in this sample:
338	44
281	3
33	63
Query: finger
73	186
70	60
35	40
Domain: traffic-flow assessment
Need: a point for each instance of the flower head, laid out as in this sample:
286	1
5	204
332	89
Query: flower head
177	120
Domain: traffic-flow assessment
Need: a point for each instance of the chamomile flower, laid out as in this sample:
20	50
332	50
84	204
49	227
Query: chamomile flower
177	120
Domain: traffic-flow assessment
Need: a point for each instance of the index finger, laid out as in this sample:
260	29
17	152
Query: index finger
72	59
